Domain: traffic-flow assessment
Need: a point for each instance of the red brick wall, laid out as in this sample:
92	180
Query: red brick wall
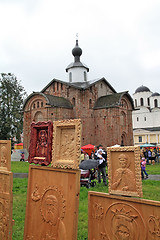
98	126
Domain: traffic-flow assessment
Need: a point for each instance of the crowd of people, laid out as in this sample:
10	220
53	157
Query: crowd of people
151	155
100	155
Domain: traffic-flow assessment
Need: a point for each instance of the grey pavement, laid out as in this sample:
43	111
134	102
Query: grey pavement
154	177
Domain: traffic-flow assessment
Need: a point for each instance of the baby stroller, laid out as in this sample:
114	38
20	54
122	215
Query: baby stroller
88	173
88	177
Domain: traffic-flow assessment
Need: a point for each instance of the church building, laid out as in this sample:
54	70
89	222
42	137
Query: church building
105	114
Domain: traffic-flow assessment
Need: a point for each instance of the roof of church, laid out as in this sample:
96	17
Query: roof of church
54	101
142	89
112	100
80	85
77	52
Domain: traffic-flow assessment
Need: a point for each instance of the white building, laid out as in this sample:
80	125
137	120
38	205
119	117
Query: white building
146	116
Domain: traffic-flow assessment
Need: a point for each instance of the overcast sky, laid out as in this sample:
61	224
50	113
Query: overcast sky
120	40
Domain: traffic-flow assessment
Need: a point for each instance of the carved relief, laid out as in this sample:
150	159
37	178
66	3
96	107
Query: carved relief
6	210
154	227
35	195
98	211
5	154
41	143
52	210
66	143
124	218
124	173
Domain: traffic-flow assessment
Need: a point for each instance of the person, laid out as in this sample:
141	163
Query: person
86	156
123	178
82	156
143	167
150	156
102	166
22	157
153	157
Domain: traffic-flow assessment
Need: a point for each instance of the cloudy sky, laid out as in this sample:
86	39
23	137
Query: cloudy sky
120	40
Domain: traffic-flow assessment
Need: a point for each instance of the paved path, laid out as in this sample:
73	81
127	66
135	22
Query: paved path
154	177
25	175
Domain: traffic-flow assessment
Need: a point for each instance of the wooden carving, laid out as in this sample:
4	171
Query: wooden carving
122	218
66	143
5	155
40	149
6	202
52	204
124	172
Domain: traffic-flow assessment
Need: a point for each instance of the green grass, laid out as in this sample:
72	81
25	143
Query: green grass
151	190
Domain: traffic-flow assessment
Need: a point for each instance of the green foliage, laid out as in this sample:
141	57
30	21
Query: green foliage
11	101
153	169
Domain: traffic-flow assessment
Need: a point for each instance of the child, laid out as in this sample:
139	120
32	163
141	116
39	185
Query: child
143	167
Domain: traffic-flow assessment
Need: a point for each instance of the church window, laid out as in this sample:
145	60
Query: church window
90	103
61	86
57	86
148	100
101	85
90	89
123	119
38	117
73	101
34	105
137	119
140	138
145	118
41	104
135	102
141	102
70	77
37	104
52	114
67	92
53	87
85	76
155	103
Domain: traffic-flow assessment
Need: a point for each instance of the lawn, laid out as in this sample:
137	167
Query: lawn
151	190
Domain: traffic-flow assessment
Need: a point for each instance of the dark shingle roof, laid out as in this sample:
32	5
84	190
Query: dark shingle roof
112	100
80	85
54	101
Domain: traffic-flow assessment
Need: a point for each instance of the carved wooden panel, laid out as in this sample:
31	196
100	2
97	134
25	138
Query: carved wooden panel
40	148
5	155
124	171
122	218
6	202
66	148
52	204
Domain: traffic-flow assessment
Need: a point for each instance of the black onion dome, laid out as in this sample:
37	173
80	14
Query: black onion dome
77	51
155	94
142	89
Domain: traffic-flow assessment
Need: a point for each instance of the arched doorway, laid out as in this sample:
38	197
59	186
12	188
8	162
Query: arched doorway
123	139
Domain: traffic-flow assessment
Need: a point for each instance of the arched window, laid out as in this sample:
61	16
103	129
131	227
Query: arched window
41	104
37	104
135	102
38	116
155	103
148	100
123	119
85	76
73	101
90	103
70	77
141	102
34	105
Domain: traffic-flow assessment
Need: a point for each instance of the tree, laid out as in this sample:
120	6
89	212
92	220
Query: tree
12	95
